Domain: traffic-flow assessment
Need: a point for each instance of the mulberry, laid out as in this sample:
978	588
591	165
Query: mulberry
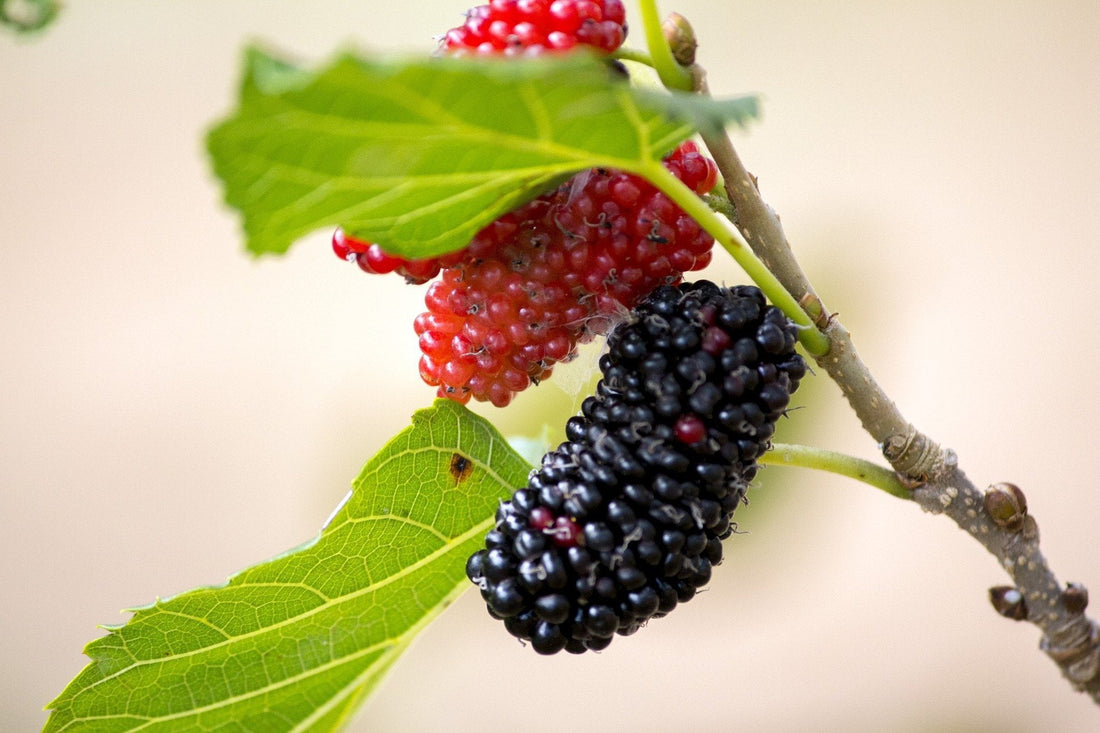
625	520
531	27
547	276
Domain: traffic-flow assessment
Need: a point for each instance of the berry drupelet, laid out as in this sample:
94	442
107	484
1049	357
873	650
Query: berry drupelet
373	259
626	519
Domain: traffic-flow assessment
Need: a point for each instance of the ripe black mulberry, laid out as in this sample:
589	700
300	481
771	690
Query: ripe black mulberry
625	520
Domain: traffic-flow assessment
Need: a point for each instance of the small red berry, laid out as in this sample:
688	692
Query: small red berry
565	532
344	247
715	340
541	517
378	262
690	429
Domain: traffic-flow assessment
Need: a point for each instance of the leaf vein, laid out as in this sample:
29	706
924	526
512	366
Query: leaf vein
401	520
407	570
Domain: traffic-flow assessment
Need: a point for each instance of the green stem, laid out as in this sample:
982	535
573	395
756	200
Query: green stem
785	454
675	76
813	340
633	54
672	74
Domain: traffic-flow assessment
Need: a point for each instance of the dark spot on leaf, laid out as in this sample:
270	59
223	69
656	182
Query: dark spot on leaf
461	468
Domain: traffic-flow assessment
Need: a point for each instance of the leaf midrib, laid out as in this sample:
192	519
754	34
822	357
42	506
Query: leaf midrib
542	143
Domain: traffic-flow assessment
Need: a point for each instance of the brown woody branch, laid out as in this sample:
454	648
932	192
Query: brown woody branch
1070	638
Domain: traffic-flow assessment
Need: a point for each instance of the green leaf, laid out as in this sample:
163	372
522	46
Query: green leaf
270	75
418	155
297	642
704	114
28	16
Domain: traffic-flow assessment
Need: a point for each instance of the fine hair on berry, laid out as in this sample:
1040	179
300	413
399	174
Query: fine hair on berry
625	520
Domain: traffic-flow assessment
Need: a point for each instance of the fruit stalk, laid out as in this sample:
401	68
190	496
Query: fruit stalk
673	75
734	242
804	456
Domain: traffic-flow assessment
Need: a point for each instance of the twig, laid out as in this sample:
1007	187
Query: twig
1070	638
997	519
911	453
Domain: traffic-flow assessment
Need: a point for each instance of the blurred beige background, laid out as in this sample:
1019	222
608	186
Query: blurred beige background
172	411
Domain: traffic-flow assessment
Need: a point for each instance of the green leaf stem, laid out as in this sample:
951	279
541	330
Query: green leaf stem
872	474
